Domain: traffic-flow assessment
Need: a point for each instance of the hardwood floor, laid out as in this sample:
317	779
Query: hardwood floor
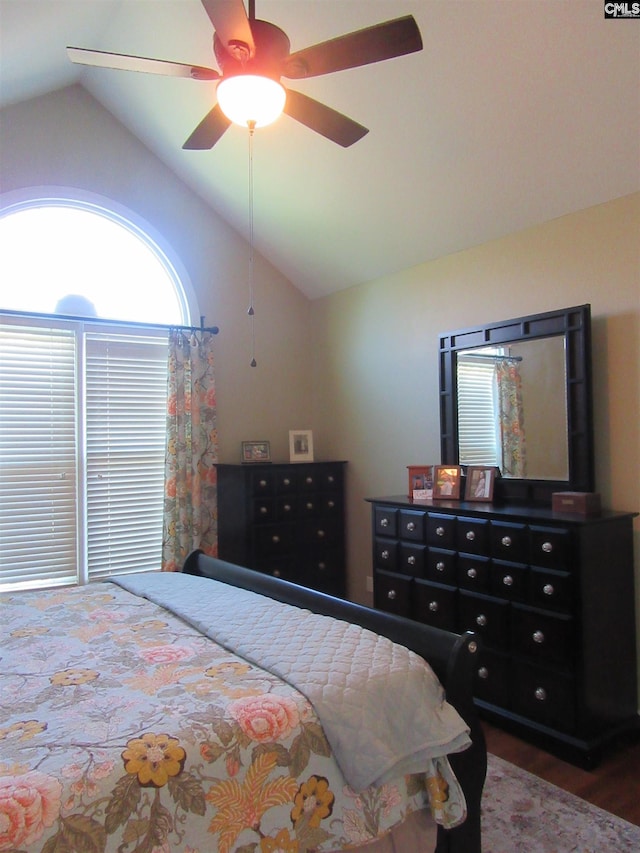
614	784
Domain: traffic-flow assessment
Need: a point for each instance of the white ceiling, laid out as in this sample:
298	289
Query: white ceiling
515	112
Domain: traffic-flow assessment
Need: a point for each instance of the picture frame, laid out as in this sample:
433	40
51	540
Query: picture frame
420	482
256	451
480	483
446	482
300	445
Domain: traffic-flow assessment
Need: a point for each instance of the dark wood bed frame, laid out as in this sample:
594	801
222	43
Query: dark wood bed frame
451	656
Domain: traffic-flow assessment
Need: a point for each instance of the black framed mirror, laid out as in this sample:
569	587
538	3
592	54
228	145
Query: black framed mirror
539	371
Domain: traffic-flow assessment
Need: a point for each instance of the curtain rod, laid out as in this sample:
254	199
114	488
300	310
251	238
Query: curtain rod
490	355
126	323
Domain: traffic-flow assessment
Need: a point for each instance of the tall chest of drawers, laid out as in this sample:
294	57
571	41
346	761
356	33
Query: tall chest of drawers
286	520
551	595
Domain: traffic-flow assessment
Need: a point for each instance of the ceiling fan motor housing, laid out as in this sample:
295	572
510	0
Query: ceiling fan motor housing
272	47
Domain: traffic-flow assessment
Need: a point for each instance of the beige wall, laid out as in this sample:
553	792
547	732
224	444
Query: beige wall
67	139
376	373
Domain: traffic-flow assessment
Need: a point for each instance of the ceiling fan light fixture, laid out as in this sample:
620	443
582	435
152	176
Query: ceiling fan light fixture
251	99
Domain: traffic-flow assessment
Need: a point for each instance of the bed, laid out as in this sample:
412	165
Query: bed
218	710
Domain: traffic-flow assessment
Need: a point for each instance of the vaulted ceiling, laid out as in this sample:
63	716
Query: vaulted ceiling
514	113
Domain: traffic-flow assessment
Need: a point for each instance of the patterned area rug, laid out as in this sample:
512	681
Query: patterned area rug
524	814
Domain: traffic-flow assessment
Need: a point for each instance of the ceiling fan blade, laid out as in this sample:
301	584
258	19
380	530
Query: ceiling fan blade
125	62
331	124
209	131
230	22
362	47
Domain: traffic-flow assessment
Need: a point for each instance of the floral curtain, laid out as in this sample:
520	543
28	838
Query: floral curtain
190	504
510	417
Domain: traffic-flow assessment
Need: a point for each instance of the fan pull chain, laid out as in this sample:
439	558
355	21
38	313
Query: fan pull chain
251	312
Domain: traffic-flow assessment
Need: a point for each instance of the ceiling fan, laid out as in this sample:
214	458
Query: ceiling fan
246	46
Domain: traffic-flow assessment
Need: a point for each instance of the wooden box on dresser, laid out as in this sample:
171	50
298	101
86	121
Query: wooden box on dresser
285	519
552	596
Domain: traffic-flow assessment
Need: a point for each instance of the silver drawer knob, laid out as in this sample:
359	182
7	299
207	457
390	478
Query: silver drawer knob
262	483
309	505
541	694
391	594
384	555
547	547
331	504
275	539
286	481
507	580
287	507
483	672
411	560
276	573
481	620
321	534
384	522
433	606
309	481
263	510
548	589
440	566
470	535
439	531
322	566
411	526
538	637
472	573
330	478
506	541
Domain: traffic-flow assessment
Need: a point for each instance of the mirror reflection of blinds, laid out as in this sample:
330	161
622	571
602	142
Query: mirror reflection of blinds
476	412
82	433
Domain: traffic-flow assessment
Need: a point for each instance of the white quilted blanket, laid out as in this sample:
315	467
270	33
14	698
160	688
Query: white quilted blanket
382	708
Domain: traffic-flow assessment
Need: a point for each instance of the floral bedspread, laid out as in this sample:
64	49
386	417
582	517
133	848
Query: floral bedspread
124	729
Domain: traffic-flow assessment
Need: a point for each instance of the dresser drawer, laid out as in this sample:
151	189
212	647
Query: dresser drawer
319	531
542	636
385	521
509	580
264	510
411	525
550	590
441	530
274	539
392	592
544	696
262	482
492	678
285	481
473	572
435	605
489	617
412	559
550	547
472	535
509	541
440	566
385	554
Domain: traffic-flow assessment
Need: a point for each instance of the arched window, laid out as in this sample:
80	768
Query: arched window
82	398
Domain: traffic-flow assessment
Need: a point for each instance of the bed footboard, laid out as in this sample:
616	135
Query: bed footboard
451	656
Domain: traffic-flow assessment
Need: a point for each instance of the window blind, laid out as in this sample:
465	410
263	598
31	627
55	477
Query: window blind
476	412
82	446
38	471
126	389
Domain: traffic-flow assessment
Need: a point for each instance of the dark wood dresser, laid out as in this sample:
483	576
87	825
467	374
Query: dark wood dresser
286	520
552	596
